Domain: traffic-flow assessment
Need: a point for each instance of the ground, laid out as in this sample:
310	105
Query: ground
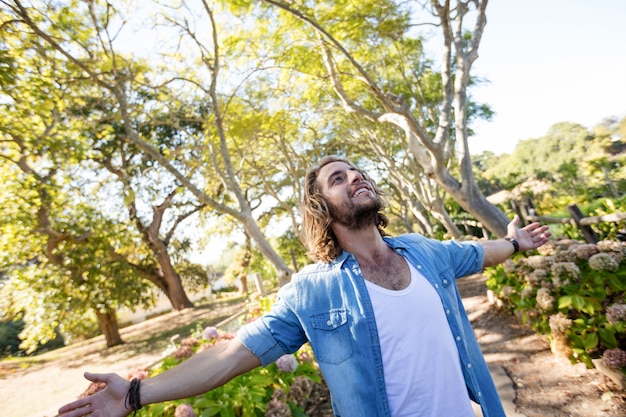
545	385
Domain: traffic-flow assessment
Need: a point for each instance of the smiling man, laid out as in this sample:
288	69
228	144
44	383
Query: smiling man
382	314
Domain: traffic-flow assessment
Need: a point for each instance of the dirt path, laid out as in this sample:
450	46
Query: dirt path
546	386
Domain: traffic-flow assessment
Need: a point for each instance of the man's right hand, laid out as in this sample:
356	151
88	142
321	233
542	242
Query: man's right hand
108	402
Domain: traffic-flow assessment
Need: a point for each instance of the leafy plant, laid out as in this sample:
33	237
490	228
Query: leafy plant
565	292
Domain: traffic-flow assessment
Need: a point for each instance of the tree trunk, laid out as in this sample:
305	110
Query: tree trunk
283	272
110	329
174	287
475	203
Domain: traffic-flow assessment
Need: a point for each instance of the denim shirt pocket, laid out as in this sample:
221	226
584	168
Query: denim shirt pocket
331	336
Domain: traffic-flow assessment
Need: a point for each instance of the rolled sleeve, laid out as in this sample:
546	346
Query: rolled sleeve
259	340
275	334
467	257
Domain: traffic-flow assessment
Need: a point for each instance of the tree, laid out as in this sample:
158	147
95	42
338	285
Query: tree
49	164
359	79
95	55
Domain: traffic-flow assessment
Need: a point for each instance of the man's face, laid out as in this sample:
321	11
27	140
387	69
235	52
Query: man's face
351	200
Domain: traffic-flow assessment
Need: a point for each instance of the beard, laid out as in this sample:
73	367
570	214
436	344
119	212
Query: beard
356	217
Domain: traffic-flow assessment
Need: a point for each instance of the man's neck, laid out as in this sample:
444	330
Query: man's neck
366	244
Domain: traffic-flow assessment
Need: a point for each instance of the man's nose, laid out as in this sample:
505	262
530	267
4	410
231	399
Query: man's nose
355	176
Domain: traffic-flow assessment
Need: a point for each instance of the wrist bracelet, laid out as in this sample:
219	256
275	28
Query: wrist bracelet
515	244
132	396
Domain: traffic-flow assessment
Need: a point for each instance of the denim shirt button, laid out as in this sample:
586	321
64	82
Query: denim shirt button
445	281
448	311
480	394
436	285
458	338
419	266
469	366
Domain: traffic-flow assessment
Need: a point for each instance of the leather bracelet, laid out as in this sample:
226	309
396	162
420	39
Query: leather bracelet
133	400
515	244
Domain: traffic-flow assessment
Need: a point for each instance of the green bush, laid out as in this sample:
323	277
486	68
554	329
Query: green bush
574	293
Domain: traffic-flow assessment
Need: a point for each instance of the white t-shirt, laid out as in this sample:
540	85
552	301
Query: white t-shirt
421	363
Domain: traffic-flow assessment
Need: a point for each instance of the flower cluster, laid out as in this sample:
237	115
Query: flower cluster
537	277
563	272
545	300
616	313
210	333
277	406
287	363
559	323
614	358
586	250
299	393
139	373
603	262
300	390
190	341
184	351
507	291
184	410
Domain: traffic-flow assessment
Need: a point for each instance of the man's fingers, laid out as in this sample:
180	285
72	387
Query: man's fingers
74	406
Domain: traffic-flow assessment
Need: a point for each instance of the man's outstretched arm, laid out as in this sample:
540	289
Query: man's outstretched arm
527	238
198	374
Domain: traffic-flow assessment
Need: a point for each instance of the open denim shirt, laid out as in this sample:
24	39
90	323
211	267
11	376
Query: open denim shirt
329	306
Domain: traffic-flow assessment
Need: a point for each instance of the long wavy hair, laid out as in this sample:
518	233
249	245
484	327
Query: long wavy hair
318	236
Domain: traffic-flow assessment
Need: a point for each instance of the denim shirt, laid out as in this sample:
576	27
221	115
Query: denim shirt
329	306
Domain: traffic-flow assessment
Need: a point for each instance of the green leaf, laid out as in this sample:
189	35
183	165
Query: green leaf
565	301
578	302
590	341
608	338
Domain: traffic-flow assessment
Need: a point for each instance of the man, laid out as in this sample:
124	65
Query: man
383	316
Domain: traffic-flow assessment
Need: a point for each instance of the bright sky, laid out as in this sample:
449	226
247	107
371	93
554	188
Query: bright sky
549	61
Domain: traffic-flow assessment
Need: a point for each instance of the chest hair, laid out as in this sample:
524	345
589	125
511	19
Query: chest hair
390	272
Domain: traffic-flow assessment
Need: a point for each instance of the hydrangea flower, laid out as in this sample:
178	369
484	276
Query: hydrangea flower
548	249
614	358
611	246
545	301
183	352
287	363
537	277
565	270
210	333
616	313
507	290
538	262
509	266
184	410
304	356
559	323
527	292
586	250
300	389
139	373
568	255
603	262
190	341
277	406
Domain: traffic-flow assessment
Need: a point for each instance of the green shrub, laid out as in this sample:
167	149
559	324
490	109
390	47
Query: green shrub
565	292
